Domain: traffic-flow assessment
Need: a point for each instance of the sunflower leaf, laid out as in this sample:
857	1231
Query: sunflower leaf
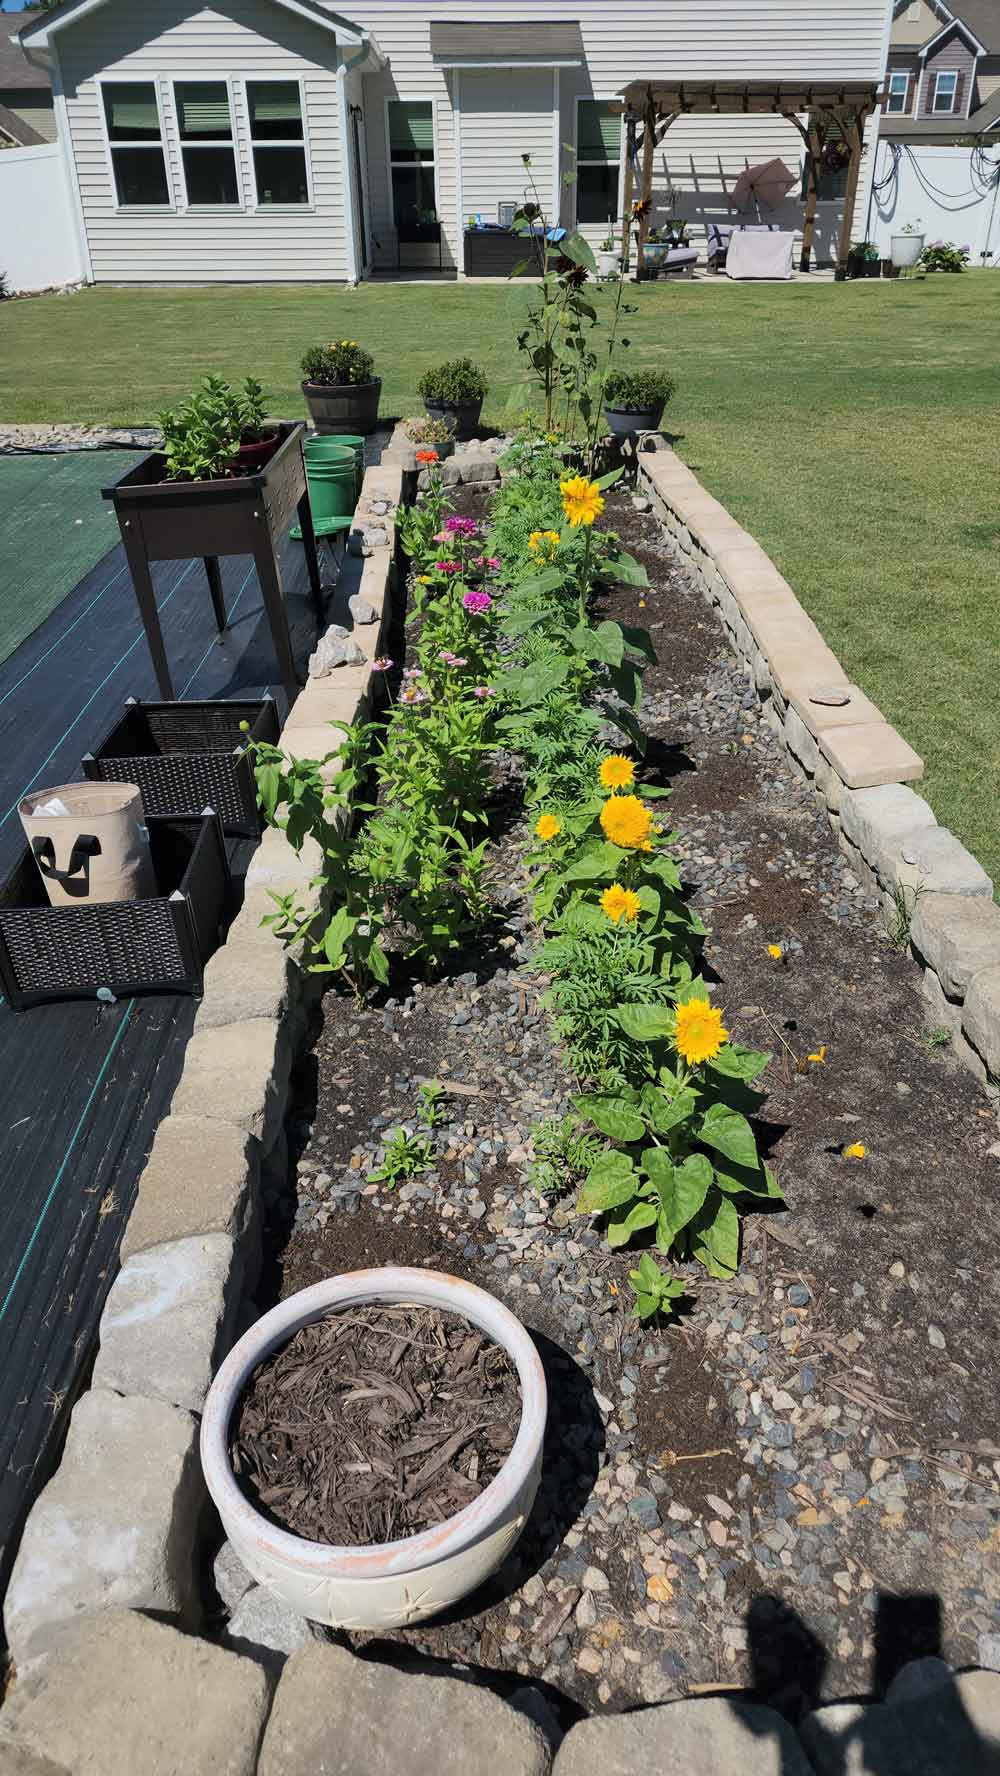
730	1133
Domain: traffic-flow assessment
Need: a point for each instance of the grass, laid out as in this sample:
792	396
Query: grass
853	429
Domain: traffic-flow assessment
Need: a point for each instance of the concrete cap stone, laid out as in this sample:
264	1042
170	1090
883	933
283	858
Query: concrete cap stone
325	700
276	862
820	716
710	1737
955	1727
248	979
865	754
201	1177
931	860
874	819
168	1320
959	935
237	1073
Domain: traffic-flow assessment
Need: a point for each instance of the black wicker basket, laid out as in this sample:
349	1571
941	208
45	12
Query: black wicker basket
127	946
189	756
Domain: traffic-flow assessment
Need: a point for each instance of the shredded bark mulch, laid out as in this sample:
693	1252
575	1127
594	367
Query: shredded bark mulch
375	1423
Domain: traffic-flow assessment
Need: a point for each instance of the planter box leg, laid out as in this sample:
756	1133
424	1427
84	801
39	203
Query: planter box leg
312	562
215	588
142	582
272	590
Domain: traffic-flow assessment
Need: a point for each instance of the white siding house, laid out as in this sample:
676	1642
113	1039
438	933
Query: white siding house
277	140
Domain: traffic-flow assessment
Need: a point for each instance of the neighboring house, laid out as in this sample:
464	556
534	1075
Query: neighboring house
942	79
270	140
27	116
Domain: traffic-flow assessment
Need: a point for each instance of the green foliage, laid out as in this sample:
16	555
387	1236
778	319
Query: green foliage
944	256
564	1154
452	384
403	1156
638	388
202	436
432	1105
655	1292
594	970
344	361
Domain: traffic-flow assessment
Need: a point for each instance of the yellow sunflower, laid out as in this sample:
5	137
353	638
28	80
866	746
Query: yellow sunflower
617	771
620	903
626	822
699	1034
547	826
582	500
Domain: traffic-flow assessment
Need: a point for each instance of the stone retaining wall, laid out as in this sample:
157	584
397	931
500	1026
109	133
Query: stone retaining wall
119	1522
858	765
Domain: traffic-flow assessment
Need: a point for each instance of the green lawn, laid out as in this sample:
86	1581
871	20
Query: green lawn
854	429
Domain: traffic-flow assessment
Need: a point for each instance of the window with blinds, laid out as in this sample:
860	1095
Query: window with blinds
277	135
411	160
598	161
205	128
135	139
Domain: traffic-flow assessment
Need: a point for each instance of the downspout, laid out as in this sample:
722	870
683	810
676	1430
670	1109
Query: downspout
345	67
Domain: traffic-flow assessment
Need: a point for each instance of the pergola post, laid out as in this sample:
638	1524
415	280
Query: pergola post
851	192
813	139
648	150
627	193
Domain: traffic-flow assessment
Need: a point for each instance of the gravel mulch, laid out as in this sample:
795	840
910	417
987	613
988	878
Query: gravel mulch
796	1486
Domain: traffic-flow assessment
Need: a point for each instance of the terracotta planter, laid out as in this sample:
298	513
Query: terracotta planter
343	406
398	1582
251	458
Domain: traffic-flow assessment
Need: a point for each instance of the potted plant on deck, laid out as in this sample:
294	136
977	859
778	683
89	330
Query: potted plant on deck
608	257
907	246
341	393
218	432
455	392
863	260
634	400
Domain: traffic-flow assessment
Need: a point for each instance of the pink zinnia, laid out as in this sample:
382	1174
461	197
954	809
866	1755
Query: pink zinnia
466	527
481	691
441	536
413	694
412	672
490	561
478	603
448	567
382	663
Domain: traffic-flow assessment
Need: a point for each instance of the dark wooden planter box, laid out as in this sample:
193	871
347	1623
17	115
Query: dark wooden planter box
159	945
495	255
186	757
246	515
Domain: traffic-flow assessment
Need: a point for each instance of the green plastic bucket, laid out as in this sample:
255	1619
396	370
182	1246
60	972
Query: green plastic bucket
332	488
330	449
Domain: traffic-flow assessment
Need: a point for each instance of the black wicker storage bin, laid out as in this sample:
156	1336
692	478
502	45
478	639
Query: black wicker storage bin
129	946
189	756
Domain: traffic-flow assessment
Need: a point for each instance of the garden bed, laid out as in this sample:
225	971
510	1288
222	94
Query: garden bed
741	1496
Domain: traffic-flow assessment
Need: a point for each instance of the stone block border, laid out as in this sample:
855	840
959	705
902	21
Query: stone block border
860	768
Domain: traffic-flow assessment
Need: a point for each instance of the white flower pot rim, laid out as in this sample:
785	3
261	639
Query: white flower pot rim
398	1285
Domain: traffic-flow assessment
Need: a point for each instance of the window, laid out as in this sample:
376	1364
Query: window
135	138
205	128
278	140
945	84
411	161
898	90
598	160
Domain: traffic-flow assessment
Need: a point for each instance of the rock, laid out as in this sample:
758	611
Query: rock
874	819
595	1580
116	1525
478	468
700	1738
981	1016
536	1707
354	1717
989	1651
918	1679
17	1760
362	612
335	648
375	537
957	935
230	1576
954	1728
936	1337
264	1628
201	1177
119	1695
929	860
169	1319
237	1074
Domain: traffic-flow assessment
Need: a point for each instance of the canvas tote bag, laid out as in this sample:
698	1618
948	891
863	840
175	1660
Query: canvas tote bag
97	849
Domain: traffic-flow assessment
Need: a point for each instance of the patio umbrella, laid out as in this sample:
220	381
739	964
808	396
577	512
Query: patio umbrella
766	184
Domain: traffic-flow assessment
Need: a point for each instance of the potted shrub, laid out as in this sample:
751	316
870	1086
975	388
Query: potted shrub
634	400
454	392
944	256
218	432
907	246
608	258
437	433
341	393
863	260
402	1578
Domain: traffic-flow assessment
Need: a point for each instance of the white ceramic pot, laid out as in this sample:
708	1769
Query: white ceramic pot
905	249
608	265
398	1582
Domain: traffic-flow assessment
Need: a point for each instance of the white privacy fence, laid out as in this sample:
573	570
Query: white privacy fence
949	194
39	244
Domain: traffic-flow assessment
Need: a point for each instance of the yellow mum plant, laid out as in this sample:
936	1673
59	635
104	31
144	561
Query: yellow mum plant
626	821
617	771
547	827
582	500
621	903
699	1035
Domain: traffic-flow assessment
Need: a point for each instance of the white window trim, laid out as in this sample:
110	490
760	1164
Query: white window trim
939	75
894	75
197	209
420	98
170	207
255	203
600	99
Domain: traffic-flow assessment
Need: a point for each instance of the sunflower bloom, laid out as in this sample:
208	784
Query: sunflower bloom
820	1056
582	500
617	771
856	1150
547	826
699	1034
621	903
626	822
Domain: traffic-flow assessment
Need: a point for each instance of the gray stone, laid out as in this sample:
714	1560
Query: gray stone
713	1737
251	976
362	612
874	819
989	1651
800	742
958	935
375	537
536	1707
116	1525
918	1679
336	1715
120	1695
230	1576
17	1760
930	860
265	1629
479	468
237	1073
201	1177
335	648
168	1320
953	1729
981	1016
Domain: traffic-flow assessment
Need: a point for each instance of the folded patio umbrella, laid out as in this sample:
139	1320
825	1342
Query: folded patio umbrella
766	184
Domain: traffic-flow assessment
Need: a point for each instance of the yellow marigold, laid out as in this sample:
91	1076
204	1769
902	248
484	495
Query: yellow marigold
546	540
699	1034
582	500
775	951
626	822
621	903
617	771
856	1150
547	826
820	1056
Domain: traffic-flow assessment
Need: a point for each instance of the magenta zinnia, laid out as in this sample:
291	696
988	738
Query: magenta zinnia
478	603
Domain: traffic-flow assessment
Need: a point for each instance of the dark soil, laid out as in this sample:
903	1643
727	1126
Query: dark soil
375	1423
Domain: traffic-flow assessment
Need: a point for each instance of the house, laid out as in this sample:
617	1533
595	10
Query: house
275	140
27	115
942	79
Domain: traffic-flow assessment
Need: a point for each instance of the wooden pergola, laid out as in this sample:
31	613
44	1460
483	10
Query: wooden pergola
831	108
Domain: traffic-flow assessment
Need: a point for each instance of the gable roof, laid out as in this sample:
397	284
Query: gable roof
958	25
17	131
978	19
39	34
16	70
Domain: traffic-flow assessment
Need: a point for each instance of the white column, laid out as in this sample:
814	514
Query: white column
456	124
556	153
